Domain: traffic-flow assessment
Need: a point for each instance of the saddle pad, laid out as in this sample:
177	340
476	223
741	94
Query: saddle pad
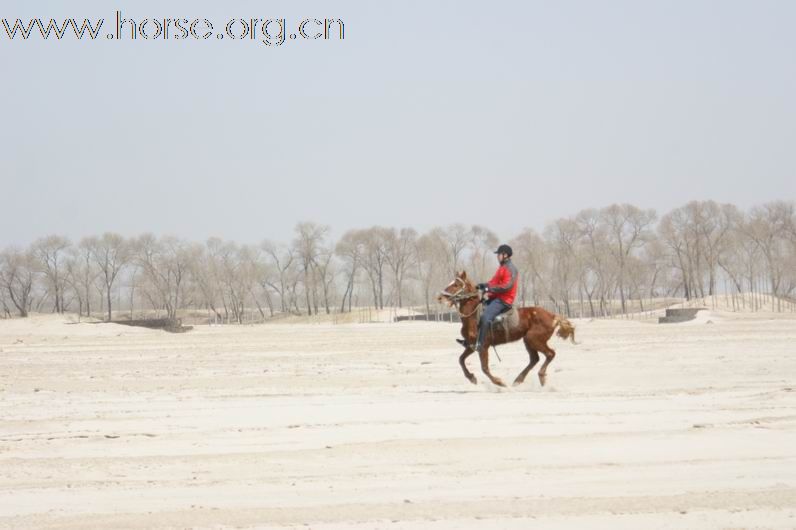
510	317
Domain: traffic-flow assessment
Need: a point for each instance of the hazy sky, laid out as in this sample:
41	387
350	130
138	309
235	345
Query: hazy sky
506	114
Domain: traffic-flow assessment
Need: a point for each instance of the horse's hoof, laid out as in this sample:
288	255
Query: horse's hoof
498	382
517	382
473	380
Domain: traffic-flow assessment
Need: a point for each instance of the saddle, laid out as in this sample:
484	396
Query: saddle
505	322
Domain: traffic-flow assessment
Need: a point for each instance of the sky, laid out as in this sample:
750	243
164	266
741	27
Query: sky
504	114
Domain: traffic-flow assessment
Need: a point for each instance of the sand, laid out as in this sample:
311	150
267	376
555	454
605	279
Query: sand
361	426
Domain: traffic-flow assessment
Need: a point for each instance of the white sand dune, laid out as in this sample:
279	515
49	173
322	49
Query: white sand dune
374	426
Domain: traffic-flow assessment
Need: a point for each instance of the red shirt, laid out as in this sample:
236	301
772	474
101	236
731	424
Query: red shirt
503	284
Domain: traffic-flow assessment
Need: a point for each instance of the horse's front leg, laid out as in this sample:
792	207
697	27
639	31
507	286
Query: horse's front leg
462	358
483	354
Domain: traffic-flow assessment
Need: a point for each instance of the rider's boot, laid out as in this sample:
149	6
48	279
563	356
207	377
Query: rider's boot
464	343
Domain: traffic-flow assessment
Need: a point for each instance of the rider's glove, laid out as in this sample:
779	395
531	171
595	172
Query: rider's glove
482	287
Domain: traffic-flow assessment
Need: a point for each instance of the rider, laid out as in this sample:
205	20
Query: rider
500	291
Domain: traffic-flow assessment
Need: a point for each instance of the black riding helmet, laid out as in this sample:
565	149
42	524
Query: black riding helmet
504	249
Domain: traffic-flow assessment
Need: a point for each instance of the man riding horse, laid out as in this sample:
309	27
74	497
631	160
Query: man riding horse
534	325
500	292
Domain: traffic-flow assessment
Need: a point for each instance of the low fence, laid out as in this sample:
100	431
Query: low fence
172	325
433	317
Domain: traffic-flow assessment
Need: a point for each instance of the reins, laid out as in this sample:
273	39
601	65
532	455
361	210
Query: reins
471	313
460	296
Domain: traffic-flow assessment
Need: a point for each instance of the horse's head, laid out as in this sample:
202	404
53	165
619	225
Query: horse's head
456	291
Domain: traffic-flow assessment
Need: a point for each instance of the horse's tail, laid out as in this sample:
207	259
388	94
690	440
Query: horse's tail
565	328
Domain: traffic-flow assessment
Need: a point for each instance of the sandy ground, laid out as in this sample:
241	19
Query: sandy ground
365	426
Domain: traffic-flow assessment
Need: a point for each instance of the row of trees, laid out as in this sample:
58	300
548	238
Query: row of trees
606	260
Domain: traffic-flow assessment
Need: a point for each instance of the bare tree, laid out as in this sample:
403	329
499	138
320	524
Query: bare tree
562	237
324	267
17	276
51	252
83	274
205	271
482	245
713	224
598	276
166	264
4	303
530	258
350	249
628	229
375	245
248	274
235	276
430	252
400	247
267	278
282	259
769	226
110	252
456	238
674	232
308	245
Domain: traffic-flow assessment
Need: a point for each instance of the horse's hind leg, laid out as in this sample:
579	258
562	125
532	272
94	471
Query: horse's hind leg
484	356
462	358
534	355
549	354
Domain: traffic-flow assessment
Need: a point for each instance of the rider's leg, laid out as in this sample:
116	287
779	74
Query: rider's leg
492	309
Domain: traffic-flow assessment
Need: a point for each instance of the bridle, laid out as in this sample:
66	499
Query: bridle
460	296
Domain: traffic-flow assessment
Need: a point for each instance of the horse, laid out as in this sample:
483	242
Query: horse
535	326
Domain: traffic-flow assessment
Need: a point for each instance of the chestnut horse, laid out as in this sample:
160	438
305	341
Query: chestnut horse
536	326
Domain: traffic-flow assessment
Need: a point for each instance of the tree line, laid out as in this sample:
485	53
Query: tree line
594	263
